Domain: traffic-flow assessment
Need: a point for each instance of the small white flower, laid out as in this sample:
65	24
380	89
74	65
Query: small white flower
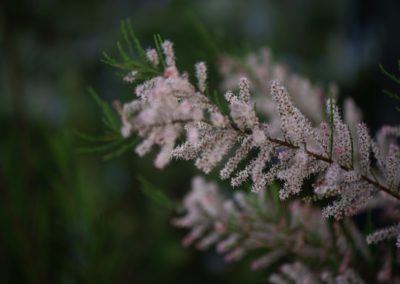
152	56
130	77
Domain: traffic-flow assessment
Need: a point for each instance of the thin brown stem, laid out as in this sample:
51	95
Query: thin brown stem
327	160
330	161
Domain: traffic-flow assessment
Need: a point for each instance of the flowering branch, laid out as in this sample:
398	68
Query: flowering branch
330	161
284	143
181	106
250	222
237	226
289	148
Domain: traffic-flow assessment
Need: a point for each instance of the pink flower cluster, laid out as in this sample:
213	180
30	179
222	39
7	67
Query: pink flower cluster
296	145
247	222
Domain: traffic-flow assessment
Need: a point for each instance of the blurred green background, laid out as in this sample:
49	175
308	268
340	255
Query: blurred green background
69	217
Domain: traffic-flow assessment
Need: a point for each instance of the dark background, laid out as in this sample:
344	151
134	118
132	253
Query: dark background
68	217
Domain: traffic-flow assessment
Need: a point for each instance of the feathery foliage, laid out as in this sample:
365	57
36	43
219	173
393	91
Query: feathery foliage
395	79
295	145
